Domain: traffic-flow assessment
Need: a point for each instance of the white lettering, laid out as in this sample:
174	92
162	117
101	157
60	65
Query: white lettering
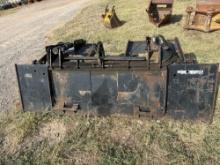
28	75
191	72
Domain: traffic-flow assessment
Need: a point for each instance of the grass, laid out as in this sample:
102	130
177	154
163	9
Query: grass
43	138
51	138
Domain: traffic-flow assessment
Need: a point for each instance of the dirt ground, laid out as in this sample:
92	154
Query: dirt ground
23	38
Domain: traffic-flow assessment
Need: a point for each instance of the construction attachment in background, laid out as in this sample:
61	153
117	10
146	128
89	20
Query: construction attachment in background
160	11
206	16
152	79
110	18
7	4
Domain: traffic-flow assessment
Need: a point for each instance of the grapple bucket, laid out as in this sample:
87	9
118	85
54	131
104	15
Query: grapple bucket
206	16
160	11
152	79
110	18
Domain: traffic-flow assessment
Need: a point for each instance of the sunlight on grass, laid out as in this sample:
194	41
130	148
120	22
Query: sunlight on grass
88	25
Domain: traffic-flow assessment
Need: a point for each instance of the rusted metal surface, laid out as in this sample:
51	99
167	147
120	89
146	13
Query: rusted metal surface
160	11
207	5
111	92
110	18
206	16
152	79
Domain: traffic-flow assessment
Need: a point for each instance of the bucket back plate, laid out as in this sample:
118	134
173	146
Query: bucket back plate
108	92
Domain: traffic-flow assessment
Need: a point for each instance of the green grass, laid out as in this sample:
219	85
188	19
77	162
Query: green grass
51	138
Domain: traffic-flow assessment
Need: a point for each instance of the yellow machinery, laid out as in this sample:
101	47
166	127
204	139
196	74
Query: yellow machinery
110	18
206	16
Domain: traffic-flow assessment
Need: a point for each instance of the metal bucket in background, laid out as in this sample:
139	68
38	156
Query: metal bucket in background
206	16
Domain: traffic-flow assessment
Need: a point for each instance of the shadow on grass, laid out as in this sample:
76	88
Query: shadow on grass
176	18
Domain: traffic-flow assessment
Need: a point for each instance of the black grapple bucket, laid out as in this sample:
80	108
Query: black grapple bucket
152	79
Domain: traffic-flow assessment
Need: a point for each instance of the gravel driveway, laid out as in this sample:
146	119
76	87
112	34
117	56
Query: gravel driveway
23	38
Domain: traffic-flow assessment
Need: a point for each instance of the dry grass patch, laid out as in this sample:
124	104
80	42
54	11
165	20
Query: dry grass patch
54	132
